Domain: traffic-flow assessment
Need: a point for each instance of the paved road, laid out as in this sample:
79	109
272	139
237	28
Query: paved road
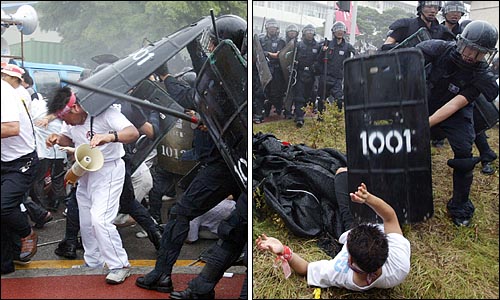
141	252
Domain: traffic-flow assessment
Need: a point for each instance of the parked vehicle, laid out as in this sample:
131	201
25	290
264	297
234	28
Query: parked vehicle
47	77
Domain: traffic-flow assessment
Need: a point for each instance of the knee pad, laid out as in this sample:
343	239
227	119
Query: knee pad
463	164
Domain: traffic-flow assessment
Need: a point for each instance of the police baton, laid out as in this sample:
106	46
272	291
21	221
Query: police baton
134	100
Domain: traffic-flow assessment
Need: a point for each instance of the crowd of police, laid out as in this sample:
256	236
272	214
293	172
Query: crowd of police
459	60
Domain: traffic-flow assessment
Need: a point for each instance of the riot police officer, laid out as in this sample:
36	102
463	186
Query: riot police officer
333	55
458	74
272	43
452	12
211	185
307	64
291	32
403	28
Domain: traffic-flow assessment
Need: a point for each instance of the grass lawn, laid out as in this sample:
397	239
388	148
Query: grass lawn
446	262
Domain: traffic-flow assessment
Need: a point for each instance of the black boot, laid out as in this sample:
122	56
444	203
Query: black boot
188	294
155	280
487	168
66	249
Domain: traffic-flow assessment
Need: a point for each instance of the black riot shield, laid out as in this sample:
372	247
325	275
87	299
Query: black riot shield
286	56
127	72
387	133
175	135
422	34
225	111
485	114
261	62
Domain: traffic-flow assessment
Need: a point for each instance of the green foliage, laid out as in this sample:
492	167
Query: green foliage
374	25
90	28
447	262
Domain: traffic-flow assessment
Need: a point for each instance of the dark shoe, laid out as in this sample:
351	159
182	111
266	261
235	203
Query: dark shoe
461	221
438	143
155	238
66	249
299	124
160	282
28	246
487	169
188	294
48	217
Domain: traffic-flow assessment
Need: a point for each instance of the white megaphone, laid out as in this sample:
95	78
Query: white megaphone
86	159
25	18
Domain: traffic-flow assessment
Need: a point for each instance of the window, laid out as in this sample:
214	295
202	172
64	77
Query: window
47	82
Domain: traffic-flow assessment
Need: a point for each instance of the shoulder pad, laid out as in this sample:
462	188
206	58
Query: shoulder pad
434	48
400	23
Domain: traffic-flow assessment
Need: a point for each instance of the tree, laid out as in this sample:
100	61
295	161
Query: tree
96	27
374	25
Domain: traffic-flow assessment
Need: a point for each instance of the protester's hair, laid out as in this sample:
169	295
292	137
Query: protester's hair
27	78
368	247
59	101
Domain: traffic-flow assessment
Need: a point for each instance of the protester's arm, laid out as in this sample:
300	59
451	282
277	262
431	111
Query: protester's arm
127	135
44	122
381	208
445	111
297	263
59	139
10	129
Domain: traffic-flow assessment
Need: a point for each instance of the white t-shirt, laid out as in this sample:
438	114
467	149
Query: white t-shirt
110	119
13	110
25	96
38	111
336	272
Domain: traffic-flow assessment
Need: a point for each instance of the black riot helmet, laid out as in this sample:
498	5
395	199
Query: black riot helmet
453	6
439	4
292	27
308	28
229	27
272	23
480	36
339	25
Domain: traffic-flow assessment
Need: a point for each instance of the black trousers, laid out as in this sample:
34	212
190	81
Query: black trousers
212	184
17	178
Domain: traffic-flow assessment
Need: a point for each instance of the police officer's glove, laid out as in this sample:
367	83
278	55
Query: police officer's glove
386	47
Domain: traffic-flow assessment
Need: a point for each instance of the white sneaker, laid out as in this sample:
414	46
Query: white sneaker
124	220
117	276
141	234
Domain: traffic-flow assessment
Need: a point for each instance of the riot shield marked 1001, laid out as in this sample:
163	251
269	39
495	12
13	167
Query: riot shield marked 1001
387	133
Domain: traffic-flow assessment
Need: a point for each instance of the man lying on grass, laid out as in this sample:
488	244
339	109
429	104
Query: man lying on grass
373	256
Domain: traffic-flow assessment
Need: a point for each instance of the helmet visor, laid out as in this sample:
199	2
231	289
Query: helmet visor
473	51
207	40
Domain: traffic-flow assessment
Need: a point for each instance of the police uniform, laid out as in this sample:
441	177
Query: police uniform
336	54
276	88
405	27
307	65
445	80
212	184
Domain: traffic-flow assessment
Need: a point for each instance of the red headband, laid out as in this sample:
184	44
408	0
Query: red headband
65	110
